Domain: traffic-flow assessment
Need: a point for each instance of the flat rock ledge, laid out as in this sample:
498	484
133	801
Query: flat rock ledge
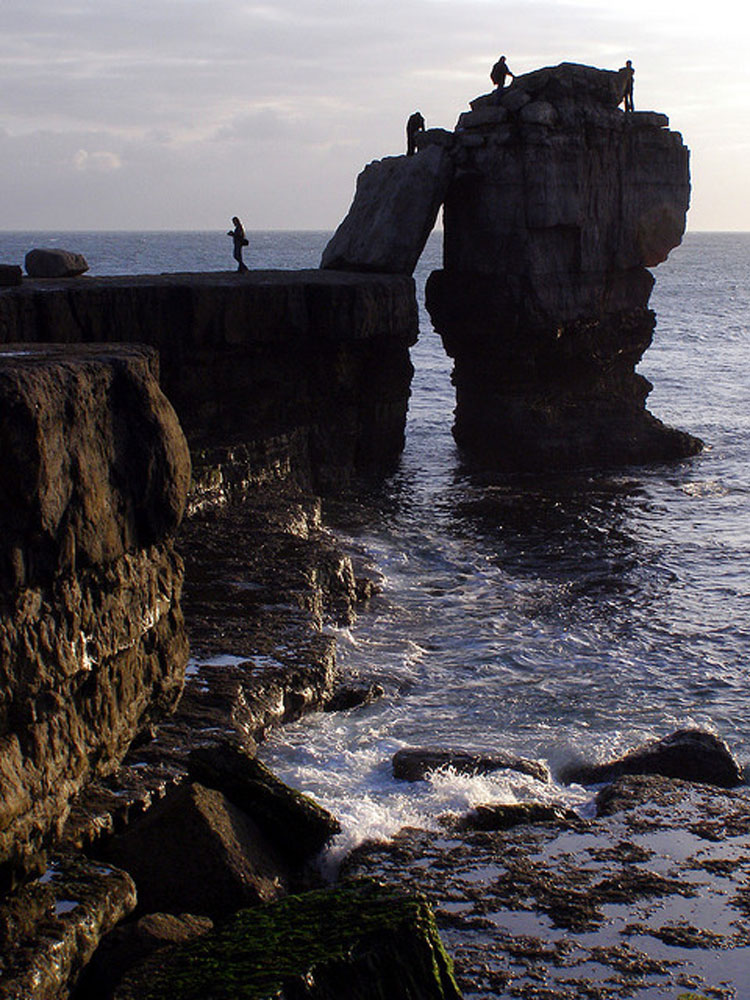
649	897
274	375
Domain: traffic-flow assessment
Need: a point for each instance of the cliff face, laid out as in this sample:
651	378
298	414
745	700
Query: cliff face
272	373
559	203
92	640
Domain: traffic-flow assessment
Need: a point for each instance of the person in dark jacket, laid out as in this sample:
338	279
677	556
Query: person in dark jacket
626	74
414	125
240	240
499	72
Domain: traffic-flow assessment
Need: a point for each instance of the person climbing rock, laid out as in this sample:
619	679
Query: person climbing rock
499	72
414	125
240	240
626	74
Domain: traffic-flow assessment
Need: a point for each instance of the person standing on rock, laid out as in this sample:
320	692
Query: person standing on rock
626	74
240	240
414	126
499	72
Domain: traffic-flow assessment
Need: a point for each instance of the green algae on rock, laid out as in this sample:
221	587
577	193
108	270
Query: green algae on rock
359	941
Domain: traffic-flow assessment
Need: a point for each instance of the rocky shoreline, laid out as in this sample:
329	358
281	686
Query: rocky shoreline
144	851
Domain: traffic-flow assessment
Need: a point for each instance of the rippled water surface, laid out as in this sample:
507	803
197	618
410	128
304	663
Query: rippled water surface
558	616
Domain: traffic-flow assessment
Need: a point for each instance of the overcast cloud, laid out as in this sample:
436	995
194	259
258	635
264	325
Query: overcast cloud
181	113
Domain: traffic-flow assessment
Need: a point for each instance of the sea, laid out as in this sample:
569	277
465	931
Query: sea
560	617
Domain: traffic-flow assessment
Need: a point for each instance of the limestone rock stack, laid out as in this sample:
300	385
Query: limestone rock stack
559	205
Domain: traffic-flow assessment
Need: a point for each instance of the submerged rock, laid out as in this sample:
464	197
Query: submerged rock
46	263
357	941
349	696
689	754
495	816
415	763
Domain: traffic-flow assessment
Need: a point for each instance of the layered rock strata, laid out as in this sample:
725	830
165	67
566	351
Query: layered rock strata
92	640
273	374
559	205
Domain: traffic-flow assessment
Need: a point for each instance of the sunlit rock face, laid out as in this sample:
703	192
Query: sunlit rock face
559	204
92	641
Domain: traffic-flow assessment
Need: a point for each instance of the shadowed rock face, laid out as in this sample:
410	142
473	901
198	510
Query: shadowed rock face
273	374
560	203
92	640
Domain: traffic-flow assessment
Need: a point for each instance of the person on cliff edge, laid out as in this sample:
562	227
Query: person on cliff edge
626	74
499	72
239	240
414	126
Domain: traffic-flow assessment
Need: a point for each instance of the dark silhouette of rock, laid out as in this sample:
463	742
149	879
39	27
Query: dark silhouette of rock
295	824
415	763
354	695
195	852
51	928
46	263
356	941
131	943
688	754
560	206
10	274
323	356
505	816
393	212
92	640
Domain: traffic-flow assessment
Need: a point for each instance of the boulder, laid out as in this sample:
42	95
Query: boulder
46	263
132	942
539	113
688	754
349	696
195	852
488	114
294	823
50	928
504	816
10	274
356	941
394	211
415	763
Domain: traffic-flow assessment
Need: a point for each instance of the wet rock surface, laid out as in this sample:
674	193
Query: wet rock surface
648	899
51	927
690	754
92	640
415	763
353	942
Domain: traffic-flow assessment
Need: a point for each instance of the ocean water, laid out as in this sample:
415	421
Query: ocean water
557	617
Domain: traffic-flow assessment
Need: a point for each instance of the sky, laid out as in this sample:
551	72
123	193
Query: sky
178	114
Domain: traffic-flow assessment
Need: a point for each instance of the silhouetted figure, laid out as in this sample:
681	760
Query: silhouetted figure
499	72
414	125
626	74
239	239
